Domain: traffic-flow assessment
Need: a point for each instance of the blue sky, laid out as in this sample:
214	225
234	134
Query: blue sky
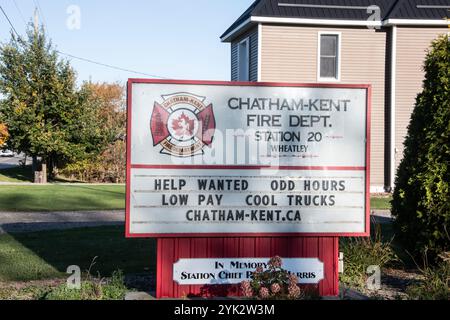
169	38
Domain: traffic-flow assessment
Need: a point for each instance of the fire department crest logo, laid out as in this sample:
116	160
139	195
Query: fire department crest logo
182	124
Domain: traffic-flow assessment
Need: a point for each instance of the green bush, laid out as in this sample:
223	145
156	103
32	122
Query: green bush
360	253
108	167
92	289
29	292
436	282
420	202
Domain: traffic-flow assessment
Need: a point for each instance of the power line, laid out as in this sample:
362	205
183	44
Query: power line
20	12
9	21
88	60
44	21
110	66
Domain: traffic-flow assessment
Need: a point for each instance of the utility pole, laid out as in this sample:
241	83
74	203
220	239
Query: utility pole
35	160
40	174
36	20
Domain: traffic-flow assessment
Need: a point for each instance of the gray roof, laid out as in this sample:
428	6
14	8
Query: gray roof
420	9
345	10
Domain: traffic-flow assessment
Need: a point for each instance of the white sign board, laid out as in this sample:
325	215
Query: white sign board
234	271
207	159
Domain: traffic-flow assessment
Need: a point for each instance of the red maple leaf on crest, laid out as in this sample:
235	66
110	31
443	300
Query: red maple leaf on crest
183	126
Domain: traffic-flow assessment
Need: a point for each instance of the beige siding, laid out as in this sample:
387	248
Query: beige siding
412	46
289	54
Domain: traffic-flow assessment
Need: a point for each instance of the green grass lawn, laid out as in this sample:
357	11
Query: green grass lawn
46	255
62	197
380	203
16	174
25	174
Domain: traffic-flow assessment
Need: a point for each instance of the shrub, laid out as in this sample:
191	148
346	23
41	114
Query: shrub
29	292
108	167
273	283
360	253
436	281
92	289
420	202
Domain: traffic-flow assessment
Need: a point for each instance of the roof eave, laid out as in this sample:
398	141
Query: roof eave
416	22
331	22
281	20
228	37
309	21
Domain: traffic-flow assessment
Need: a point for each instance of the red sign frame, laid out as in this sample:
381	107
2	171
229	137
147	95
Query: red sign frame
129	165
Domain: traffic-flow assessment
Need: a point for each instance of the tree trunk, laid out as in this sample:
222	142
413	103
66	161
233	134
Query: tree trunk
51	168
44	171
34	167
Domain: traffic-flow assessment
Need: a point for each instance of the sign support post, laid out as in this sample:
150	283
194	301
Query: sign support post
226	175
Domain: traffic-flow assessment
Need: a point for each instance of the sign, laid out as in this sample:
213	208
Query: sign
247	159
234	271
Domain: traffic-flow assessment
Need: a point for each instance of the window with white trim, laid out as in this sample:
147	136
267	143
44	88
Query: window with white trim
244	60
329	56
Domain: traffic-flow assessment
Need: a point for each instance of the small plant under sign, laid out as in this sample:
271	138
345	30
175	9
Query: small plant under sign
275	283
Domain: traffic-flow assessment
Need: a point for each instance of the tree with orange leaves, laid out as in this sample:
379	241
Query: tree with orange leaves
4	135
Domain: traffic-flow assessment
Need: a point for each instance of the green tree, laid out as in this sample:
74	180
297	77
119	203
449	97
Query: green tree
109	165
46	115
421	202
110	100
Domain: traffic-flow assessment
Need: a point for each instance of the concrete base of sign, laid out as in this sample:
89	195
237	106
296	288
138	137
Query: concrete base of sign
350	294
345	294
145	296
139	296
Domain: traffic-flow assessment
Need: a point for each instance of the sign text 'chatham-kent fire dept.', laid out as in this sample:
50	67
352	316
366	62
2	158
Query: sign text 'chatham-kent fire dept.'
208	158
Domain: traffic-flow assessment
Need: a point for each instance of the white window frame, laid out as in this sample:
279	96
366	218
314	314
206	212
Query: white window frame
247	62
338	60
